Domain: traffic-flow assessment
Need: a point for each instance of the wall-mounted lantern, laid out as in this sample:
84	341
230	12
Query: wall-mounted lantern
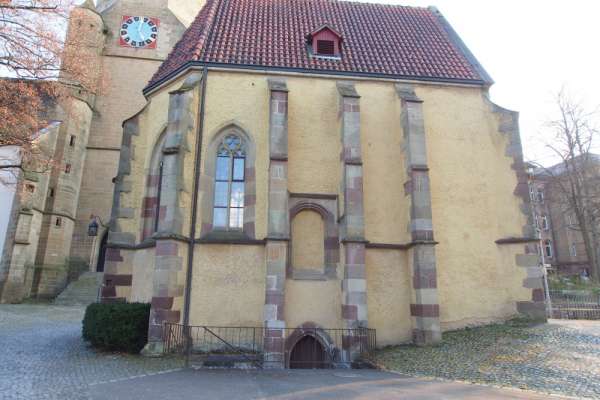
93	227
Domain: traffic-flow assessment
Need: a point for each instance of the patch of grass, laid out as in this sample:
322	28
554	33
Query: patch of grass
559	282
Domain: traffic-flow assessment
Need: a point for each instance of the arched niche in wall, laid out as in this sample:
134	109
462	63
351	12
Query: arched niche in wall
314	251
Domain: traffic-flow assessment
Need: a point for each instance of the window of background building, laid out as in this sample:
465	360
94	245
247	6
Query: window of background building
548	251
545	224
540	195
573	250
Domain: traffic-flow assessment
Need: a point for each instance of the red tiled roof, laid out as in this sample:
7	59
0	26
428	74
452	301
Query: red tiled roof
378	39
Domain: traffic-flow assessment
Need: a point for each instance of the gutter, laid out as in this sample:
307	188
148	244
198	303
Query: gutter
192	235
309	72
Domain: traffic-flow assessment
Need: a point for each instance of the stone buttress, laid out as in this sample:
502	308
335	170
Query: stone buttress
354	284
169	241
278	226
527	258
424	309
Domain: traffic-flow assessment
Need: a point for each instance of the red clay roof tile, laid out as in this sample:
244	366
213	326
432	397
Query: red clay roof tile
377	39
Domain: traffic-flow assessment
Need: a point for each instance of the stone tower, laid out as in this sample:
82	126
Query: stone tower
125	71
54	243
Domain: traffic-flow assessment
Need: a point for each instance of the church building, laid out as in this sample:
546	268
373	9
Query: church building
298	164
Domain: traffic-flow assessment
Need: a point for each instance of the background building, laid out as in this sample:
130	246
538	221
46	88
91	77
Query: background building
561	239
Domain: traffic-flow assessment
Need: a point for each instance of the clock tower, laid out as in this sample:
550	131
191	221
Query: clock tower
139	34
128	39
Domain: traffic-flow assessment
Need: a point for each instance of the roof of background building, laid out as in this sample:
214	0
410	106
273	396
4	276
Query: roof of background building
377	40
560	168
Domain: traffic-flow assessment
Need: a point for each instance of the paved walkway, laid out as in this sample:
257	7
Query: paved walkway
43	357
297	385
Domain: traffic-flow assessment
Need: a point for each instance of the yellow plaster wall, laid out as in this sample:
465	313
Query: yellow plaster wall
472	186
389	295
313	136
308	251
228	285
313	301
143	271
385	204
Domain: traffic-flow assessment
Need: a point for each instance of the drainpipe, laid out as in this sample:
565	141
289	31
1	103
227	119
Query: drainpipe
192	236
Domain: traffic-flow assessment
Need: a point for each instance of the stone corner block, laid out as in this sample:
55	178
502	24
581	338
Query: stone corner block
277	84
527	260
347	89
121	238
153	349
407	92
125	212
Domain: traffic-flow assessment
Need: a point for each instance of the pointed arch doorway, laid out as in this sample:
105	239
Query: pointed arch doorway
308	353
102	253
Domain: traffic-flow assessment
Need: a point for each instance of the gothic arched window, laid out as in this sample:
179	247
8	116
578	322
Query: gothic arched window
228	209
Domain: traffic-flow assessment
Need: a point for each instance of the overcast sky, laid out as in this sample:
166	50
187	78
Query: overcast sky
531	48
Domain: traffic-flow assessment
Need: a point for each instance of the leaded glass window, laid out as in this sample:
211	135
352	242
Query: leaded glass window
229	184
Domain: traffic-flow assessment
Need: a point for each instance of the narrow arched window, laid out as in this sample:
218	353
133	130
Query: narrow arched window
228	210
548	251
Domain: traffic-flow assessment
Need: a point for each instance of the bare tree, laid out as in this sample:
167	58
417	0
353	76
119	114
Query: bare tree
43	66
575	181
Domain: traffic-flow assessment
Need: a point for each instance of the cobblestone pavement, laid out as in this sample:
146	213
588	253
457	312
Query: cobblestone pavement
42	355
561	357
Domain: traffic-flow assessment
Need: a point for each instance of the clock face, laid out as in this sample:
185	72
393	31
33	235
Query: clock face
139	32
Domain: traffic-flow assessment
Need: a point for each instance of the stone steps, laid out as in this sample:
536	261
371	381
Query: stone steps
83	291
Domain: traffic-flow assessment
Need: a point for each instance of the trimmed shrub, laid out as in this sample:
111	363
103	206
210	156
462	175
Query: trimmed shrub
117	326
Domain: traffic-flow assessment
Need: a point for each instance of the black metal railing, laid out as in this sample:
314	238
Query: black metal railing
308	347
570	304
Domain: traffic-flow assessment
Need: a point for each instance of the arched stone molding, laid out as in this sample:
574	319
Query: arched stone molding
332	352
326	207
207	183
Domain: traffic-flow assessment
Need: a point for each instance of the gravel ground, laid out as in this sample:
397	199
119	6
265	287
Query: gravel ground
561	357
42	355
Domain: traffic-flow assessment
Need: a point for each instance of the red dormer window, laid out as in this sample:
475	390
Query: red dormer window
325	42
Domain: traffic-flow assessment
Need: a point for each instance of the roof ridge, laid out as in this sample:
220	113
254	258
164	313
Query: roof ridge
456	40
372	3
203	21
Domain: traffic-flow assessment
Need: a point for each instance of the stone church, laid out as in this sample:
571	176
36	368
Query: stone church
293	164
